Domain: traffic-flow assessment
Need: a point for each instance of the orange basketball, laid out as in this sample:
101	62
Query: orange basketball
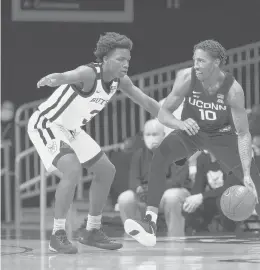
237	203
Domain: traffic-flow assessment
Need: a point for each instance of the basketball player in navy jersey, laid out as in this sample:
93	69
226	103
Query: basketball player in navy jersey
55	130
213	118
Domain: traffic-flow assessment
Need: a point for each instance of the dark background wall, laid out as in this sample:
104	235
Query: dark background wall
161	37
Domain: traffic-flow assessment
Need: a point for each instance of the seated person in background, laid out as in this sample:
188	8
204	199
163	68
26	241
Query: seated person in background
256	151
209	176
256	148
132	203
121	160
254	120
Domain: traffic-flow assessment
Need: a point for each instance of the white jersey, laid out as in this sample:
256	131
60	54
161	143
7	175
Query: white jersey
71	107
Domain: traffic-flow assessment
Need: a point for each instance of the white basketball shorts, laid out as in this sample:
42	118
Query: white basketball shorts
55	141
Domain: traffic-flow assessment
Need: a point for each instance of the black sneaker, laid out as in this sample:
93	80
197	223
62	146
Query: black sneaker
59	243
142	231
98	238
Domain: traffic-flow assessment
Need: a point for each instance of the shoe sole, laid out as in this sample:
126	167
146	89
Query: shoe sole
142	237
62	252
102	247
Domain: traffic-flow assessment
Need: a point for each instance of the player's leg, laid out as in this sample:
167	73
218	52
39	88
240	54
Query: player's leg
71	170
225	149
70	167
171	204
128	205
48	145
176	146
96	161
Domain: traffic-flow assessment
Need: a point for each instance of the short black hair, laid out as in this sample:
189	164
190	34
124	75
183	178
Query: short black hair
110	41
214	48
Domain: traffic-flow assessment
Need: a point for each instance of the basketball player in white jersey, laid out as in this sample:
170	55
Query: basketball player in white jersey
55	130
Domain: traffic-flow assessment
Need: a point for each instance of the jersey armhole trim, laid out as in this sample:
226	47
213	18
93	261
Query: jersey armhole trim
80	91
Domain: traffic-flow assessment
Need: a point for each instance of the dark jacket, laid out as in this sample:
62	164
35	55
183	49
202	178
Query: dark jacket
177	176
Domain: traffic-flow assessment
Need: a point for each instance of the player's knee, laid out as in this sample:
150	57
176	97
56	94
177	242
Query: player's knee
174	197
70	167
126	198
105	167
112	169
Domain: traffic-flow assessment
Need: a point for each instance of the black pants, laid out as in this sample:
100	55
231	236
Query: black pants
178	145
203	216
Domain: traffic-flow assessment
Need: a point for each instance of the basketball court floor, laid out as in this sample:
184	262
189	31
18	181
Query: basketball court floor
192	253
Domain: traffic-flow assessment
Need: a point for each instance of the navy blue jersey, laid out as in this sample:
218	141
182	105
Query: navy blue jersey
211	112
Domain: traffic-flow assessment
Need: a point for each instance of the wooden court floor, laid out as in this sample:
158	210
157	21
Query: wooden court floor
192	253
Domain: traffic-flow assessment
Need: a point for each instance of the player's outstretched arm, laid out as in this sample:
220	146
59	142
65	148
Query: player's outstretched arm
80	74
180	89
136	94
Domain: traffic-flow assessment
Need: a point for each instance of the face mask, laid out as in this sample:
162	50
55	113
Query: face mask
152	141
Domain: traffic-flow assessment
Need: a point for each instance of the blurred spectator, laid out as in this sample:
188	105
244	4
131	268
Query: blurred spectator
7	120
256	149
122	160
132	203
7	140
209	176
254	120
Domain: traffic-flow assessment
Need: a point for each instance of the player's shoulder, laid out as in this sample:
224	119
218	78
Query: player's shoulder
236	96
85	78
235	89
125	83
86	72
236	86
185	74
183	81
125	80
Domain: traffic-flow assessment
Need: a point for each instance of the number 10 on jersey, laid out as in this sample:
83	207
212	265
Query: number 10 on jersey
207	115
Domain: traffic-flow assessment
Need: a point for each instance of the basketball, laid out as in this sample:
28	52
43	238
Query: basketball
237	203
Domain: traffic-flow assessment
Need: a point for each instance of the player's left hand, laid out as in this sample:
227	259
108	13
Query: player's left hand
51	80
248	182
142	192
192	203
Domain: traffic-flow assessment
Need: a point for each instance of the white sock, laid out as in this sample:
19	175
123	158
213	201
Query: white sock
94	222
59	224
153	215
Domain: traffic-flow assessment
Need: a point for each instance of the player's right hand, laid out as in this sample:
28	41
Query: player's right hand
190	126
142	192
51	80
248	182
